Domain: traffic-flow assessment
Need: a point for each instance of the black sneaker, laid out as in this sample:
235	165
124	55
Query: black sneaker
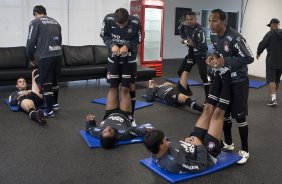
40	118
272	103
194	106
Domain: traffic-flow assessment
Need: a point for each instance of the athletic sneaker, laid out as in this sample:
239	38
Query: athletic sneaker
49	114
272	103
40	118
245	156
56	107
227	147
194	106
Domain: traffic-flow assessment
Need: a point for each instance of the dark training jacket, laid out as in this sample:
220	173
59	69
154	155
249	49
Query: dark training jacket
130	35
44	38
197	35
235	51
121	124
183	157
272	42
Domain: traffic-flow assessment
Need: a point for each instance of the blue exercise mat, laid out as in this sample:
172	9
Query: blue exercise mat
190	81
138	104
13	108
224	160
256	84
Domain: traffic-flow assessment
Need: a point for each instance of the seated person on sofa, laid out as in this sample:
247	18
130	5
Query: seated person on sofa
198	151
29	100
168	93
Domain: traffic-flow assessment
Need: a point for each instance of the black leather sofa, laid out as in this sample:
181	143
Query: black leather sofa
79	63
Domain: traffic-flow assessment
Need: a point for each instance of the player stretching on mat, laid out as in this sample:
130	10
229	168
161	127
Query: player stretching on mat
198	151
29	100
168	93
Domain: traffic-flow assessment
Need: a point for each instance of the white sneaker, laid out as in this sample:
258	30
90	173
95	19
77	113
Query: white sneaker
227	147
245	156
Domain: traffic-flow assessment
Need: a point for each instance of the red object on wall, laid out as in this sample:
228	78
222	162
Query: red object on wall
151	14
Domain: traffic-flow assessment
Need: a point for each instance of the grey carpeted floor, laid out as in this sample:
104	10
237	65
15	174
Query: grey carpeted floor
56	154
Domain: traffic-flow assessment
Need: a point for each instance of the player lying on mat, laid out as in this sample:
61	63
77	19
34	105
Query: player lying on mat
198	151
29	100
169	93
116	126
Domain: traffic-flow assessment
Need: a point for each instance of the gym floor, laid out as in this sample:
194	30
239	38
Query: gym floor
56	154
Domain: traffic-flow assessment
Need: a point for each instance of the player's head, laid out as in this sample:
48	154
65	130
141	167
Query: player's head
121	17
39	10
108	137
217	21
191	19
155	141
21	84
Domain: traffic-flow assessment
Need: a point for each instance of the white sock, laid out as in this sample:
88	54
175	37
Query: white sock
273	96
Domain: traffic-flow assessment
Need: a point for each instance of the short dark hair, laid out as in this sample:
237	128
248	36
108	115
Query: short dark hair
121	15
191	13
153	139
39	9
222	15
109	142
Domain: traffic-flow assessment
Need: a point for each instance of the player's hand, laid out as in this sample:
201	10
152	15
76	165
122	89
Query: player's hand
190	42
115	50
90	117
193	140
257	56
123	51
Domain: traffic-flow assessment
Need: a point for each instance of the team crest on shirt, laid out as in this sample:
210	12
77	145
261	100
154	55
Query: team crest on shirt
226	47
129	30
174	96
211	146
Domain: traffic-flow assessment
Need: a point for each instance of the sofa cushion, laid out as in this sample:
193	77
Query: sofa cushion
88	70
14	74
13	57
101	54
78	55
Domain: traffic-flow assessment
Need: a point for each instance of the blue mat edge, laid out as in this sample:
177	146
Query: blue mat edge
12	108
262	84
136	108
190	176
194	82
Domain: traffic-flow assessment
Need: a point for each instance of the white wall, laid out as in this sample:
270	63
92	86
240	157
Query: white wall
258	15
80	19
172	46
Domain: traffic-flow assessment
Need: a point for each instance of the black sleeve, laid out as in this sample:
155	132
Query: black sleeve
150	94
201	40
264	43
105	33
182	32
13	98
32	39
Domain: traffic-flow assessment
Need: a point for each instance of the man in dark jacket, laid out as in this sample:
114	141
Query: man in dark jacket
236	54
44	46
121	32
272	42
193	36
